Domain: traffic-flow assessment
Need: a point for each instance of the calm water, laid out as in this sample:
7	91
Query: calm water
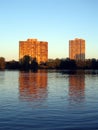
48	101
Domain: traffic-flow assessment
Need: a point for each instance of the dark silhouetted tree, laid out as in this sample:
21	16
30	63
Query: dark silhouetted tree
94	64
25	62
34	65
68	64
12	65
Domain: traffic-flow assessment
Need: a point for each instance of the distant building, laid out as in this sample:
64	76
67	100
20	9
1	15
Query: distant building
77	49
35	49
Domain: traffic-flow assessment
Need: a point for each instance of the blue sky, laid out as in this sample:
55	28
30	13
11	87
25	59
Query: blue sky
55	21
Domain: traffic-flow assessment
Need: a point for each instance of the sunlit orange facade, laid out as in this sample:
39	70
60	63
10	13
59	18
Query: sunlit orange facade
35	49
77	49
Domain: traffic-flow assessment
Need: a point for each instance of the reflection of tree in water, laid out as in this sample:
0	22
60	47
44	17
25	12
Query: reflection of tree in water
77	87
33	86
2	77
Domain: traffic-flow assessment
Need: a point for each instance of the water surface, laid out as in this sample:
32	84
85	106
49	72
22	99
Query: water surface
48	100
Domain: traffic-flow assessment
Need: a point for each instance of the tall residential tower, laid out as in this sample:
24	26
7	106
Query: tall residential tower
35	49
77	49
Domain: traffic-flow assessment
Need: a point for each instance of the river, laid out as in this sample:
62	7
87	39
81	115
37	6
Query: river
48	100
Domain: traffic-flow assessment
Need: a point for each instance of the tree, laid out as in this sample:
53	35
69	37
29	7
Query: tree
12	65
94	64
25	62
34	65
2	63
28	63
68	64
57	63
80	64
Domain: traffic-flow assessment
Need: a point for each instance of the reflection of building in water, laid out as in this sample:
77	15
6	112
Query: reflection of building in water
76	87
33	86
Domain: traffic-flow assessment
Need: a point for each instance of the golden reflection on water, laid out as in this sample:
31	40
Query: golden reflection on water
33	86
77	87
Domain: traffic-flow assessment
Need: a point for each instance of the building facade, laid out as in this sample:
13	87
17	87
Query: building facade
77	49
35	49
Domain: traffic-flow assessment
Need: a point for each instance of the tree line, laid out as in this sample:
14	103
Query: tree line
28	63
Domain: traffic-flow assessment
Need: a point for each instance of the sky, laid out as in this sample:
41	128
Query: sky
54	21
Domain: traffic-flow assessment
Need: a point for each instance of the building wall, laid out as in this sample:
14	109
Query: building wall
35	49
77	49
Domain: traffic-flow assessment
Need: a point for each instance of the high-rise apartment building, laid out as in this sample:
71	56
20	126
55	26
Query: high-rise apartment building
35	49
77	49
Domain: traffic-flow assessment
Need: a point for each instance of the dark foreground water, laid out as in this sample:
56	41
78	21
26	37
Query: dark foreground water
48	101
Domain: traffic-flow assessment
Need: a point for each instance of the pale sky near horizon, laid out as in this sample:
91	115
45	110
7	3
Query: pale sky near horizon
54	21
